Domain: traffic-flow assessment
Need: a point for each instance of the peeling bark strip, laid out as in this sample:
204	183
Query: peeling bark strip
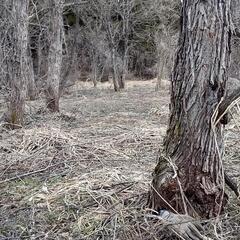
198	87
55	55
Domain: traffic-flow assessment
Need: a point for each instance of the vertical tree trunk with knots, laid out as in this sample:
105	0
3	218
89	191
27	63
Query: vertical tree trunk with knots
193	145
55	55
16	60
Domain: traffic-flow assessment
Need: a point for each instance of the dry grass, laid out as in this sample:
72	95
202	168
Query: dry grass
84	173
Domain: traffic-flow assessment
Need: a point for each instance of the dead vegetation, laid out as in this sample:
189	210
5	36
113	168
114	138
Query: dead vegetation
84	173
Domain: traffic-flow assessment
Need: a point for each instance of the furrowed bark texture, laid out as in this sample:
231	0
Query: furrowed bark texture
17	63
55	55
115	73
192	143
31	85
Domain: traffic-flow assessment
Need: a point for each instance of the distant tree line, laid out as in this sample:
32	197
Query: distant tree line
45	46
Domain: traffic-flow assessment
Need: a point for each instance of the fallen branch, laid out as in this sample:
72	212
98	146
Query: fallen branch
28	174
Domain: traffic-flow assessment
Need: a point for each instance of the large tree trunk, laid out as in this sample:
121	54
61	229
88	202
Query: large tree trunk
235	58
55	55
189	177
31	84
16	61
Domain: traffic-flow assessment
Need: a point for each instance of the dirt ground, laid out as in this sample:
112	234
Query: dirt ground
84	173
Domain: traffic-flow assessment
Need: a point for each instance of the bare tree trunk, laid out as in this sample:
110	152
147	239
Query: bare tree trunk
31	85
71	58
104	75
160	69
55	55
122	77
194	141
126	11
115	73
163	53
125	68
122	69
95	75
17	64
113	49
94	68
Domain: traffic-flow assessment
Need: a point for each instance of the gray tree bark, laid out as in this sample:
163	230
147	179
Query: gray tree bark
189	177
31	84
94	67
72	52
114	69
55	55
16	61
126	8
160	68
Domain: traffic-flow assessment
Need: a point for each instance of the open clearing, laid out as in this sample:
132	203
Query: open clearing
84	173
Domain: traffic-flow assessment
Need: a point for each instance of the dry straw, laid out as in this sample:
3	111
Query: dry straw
85	173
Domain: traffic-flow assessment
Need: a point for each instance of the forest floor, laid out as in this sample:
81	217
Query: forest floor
84	173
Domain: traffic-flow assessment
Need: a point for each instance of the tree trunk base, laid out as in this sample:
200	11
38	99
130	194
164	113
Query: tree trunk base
190	192
32	94
121	83
53	104
116	88
11	120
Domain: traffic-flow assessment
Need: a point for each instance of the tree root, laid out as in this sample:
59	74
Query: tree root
231	184
183	226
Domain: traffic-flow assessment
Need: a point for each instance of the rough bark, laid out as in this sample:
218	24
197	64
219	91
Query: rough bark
55	55
235	58
16	64
189	177
160	69
123	66
72	46
114	73
31	84
104	77
124	43
111	35
94	68
124	71
232	95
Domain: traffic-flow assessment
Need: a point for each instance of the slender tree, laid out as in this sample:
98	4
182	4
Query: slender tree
55	55
189	177
117	18
163	55
14	41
